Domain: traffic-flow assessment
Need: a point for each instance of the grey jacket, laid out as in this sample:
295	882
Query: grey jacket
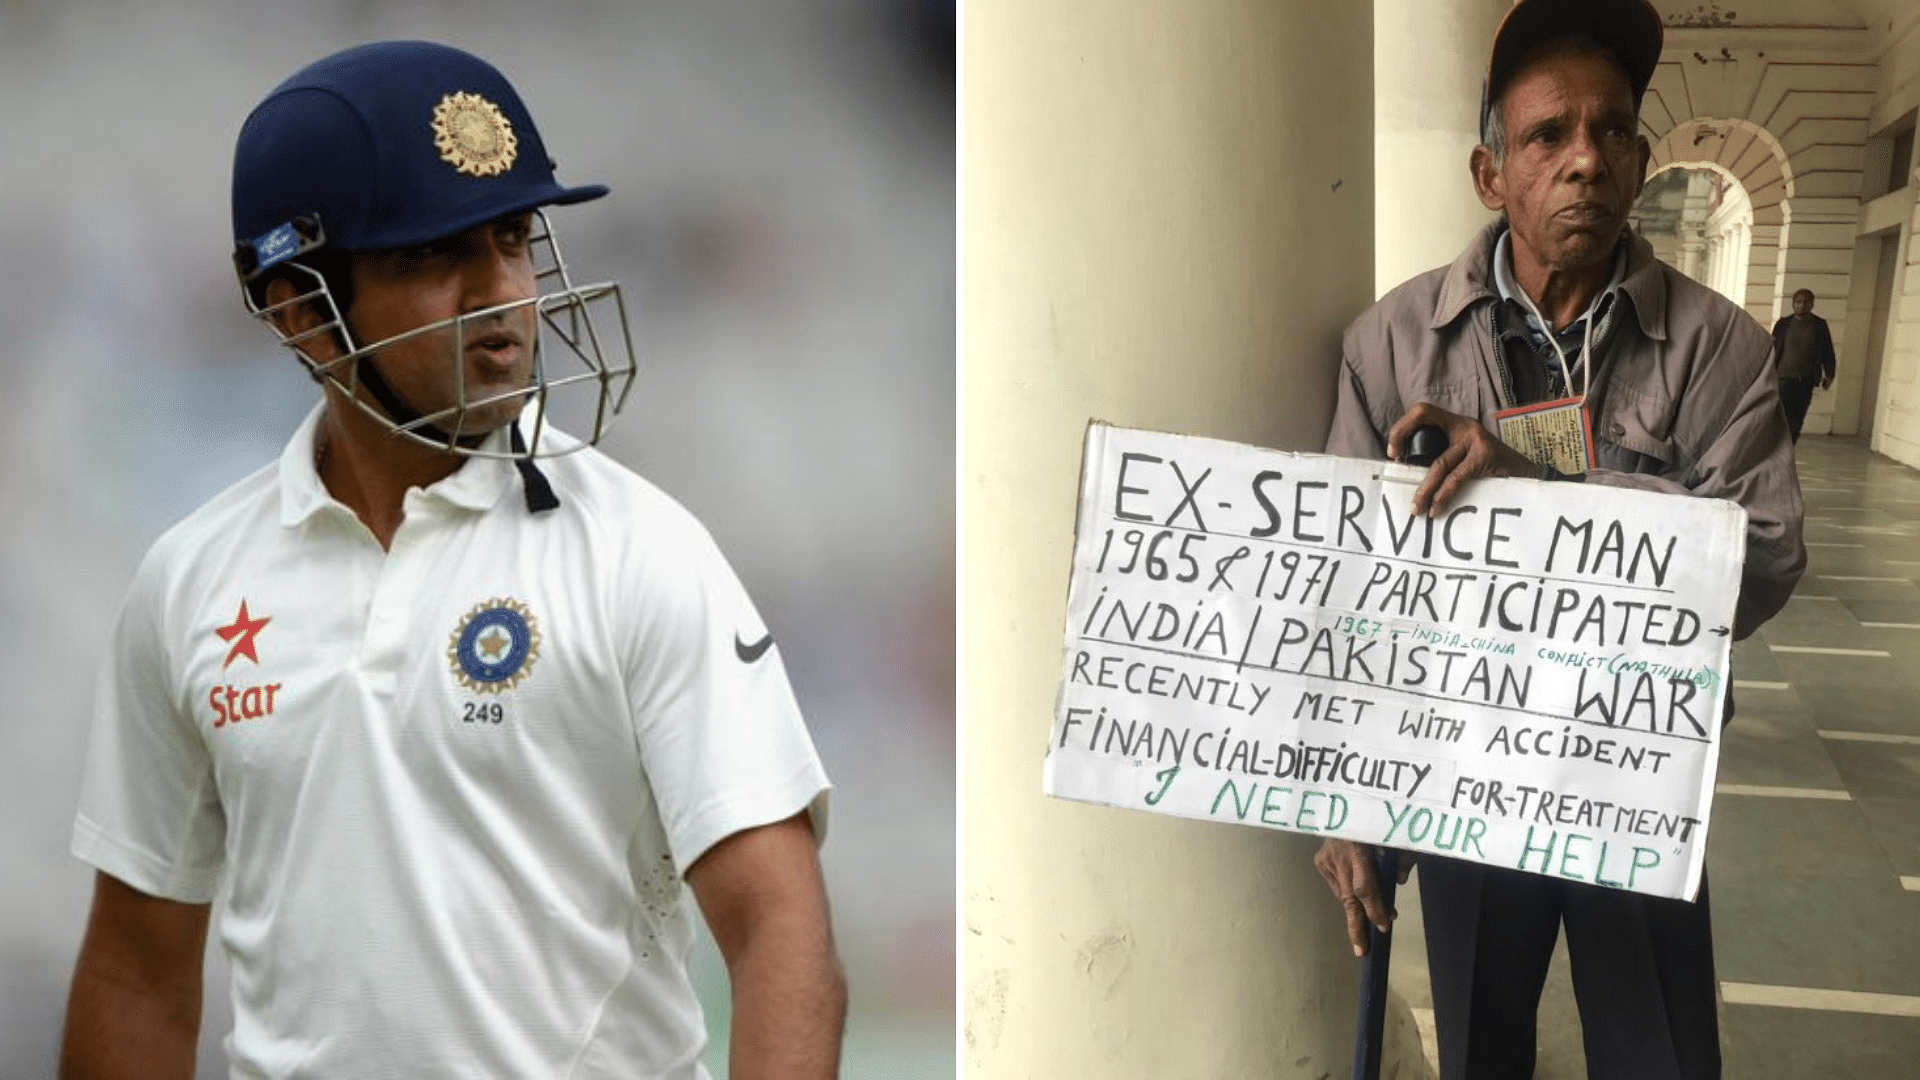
1683	396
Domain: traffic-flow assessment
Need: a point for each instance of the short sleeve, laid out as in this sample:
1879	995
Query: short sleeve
720	734
150	812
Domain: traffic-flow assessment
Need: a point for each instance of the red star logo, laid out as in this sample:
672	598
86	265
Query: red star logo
241	632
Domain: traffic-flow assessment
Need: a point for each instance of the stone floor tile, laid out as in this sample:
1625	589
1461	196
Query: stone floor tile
1761	1043
1835	931
1877	769
1895	825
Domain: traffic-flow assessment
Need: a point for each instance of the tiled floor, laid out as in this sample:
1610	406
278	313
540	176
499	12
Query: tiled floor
1817	890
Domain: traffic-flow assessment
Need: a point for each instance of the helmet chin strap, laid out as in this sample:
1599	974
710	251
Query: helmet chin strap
539	492
402	413
533	482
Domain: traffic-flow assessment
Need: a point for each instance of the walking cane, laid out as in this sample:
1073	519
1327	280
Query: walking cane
1369	1036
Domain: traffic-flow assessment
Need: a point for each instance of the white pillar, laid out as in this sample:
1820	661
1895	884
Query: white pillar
1693	225
1166	224
1742	251
1430	61
1689	264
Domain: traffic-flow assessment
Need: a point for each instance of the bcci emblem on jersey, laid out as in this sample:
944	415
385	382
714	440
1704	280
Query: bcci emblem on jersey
495	646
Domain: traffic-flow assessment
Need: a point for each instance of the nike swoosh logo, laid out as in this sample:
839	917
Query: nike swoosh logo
749	653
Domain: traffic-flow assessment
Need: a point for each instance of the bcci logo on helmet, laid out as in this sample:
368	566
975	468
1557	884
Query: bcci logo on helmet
494	646
473	135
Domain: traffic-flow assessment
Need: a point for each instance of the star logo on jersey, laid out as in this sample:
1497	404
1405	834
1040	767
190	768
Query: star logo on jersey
241	632
494	646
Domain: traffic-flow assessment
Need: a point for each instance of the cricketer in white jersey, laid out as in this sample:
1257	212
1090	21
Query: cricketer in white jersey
455	715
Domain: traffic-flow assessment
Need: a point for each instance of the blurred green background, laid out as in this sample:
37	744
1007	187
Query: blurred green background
782	218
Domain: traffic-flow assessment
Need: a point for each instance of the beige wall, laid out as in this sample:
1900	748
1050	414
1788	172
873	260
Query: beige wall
1897	427
1166	223
1851	354
1431	56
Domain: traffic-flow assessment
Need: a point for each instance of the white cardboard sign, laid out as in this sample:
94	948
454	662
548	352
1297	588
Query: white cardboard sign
1535	678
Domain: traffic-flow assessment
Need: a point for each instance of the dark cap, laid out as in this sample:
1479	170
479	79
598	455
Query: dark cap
1630	29
388	144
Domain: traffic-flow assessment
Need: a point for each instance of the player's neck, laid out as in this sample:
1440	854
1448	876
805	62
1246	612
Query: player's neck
369	469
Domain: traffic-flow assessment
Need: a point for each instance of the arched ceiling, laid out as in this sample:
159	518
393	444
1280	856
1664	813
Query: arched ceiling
1783	101
1747	154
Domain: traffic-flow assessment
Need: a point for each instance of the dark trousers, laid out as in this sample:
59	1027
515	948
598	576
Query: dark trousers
1795	396
1642	973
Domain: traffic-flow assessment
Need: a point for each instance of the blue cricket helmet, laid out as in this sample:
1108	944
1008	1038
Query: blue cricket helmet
389	144
397	143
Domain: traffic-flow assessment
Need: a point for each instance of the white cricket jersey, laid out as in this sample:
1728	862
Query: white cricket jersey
450	788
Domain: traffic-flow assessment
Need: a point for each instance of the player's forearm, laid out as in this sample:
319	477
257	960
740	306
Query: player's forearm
120	1031
789	1009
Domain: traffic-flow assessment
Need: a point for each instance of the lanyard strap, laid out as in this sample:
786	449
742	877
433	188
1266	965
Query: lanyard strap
1586	347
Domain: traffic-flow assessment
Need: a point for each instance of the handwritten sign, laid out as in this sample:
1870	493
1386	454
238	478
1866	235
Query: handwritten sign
1534	678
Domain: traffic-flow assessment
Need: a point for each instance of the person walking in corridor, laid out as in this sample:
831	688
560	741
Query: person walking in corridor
1804	346
1669	386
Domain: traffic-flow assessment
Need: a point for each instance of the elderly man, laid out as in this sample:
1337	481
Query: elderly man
1557	319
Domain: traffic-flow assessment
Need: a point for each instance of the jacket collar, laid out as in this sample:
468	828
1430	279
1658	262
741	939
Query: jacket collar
1470	280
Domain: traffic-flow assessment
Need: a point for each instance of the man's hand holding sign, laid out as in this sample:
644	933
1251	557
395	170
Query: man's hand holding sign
1471	452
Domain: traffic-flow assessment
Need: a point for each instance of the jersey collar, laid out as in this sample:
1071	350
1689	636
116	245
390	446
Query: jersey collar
477	485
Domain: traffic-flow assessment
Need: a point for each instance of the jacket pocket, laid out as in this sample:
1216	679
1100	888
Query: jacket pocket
1635	434
1465	395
